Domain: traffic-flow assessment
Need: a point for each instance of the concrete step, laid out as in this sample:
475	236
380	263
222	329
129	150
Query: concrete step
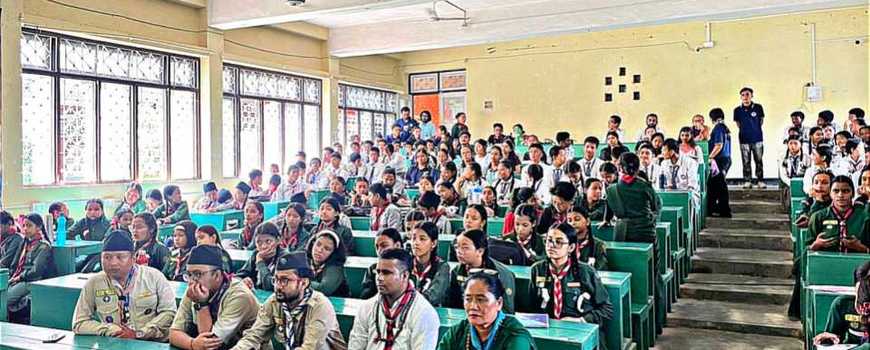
769	320
758	221
769	194
737	288
756	206
746	239
704	339
752	262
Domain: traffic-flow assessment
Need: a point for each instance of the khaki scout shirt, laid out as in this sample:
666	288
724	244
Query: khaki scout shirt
152	305
321	326
237	311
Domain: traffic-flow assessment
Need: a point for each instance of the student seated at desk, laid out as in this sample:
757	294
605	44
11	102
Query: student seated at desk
338	189
398	317
32	262
429	203
173	209
525	234
849	316
422	166
125	300
10	238
216	308
254	214
565	288
208	235
240	198
688	148
842	227
208	203
395	187
274	182
472	251
649	164
430	274
821	158
591	200
563	194
475	218
292	234
359	204
384	214
296	316
133	199
470	182
589	163
330	211
257	271
387	238
148	250
255	181
183	240
57	210
451	203
488	200
293	187
534	174
327	257
862	182
590	250
819	198
487	326
448	171
94	226
122	220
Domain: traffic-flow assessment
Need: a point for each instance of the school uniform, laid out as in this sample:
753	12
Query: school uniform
827	222
311	325
653	172
233	308
260	272
459	274
10	244
290	240
147	306
176	266
331	281
152	253
844	322
442	222
32	262
374	172
590	167
504	190
793	166
90	229
414	327
533	247
291	191
509	334
847	166
344	233
541	189
137	207
396	161
573	293
412	177
682	175
593	252
594	211
546	182
204	204
388	216
808	177
432	280
174	212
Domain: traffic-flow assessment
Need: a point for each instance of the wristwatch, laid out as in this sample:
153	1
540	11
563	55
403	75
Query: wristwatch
140	334
198	306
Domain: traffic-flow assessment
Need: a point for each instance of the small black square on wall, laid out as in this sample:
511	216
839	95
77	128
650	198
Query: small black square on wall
608	81
636	79
636	96
608	97
621	88
621	71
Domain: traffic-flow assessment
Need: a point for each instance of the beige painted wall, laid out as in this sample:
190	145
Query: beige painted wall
557	83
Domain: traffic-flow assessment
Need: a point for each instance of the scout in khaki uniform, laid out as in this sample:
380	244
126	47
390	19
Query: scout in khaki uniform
472	251
125	300
564	288
296	315
216	308
842	227
849	316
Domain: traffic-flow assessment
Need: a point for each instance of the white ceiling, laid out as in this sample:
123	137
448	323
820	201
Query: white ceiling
364	27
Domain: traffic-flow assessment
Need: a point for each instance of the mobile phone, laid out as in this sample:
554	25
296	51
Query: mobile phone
54	338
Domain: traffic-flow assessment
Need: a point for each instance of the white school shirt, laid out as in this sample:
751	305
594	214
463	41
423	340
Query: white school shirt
808	178
685	170
653	172
420	331
590	167
547	179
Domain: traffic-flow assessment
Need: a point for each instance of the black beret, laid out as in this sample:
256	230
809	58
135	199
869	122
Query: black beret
295	261
206	254
118	241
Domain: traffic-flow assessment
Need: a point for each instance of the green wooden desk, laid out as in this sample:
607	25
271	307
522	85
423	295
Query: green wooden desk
64	292
222	221
413	194
272	209
494	226
65	256
233	234
684	201
836	269
796	187
680	240
164	232
350	184
361	223
4	289
315	197
24	337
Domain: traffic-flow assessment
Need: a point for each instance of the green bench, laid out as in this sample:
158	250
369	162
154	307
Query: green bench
233	234
65	256
796	187
315	197
164	232
819	299
679	240
826	269
222	221
4	289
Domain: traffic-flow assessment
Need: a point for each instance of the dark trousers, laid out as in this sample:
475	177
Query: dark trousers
717	190
750	152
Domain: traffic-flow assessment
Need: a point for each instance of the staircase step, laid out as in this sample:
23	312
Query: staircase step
756	206
769	194
698	339
760	221
737	288
770	320
752	262
746	239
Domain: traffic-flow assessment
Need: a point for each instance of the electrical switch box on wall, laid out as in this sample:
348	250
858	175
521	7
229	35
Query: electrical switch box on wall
814	93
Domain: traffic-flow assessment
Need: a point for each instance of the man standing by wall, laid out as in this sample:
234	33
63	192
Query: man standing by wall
749	117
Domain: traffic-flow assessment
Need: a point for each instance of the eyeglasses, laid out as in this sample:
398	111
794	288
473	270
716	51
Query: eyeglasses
283	281
556	243
464	248
195	275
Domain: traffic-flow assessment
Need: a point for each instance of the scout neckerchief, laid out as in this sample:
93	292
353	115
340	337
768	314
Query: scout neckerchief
124	294
248	234
557	287
472	341
294	325
26	248
327	226
558	217
142	256
841	222
215	301
395	317
171	208
582	245
180	259
377	212
526	245
289	239
422	277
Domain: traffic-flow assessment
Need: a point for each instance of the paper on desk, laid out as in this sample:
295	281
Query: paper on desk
836	347
533	320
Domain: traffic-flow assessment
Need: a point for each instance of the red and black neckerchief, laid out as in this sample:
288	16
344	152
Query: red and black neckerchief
377	212
422	277
843	230
582	245
395	317
248	234
25	249
180	260
557	287
289	239
214	302
327	226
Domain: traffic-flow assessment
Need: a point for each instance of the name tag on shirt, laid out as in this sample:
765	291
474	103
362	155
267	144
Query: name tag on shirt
830	222
573	284
104	292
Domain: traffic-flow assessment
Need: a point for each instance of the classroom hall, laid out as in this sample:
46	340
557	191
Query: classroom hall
346	174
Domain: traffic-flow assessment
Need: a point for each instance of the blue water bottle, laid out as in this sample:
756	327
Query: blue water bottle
60	237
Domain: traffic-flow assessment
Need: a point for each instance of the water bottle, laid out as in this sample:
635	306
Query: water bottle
476	195
60	236
662	181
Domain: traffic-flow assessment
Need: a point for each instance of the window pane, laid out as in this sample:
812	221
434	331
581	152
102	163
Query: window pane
312	131
183	134
35	51
352	119
113	61
77	147
78	56
379	125
290	88
365	126
342	91
229	137
183	72
340	128
391	119
292	132
392	103
116	108
249	136
151	109
271	133
312	90
37	129
230	79
147	66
